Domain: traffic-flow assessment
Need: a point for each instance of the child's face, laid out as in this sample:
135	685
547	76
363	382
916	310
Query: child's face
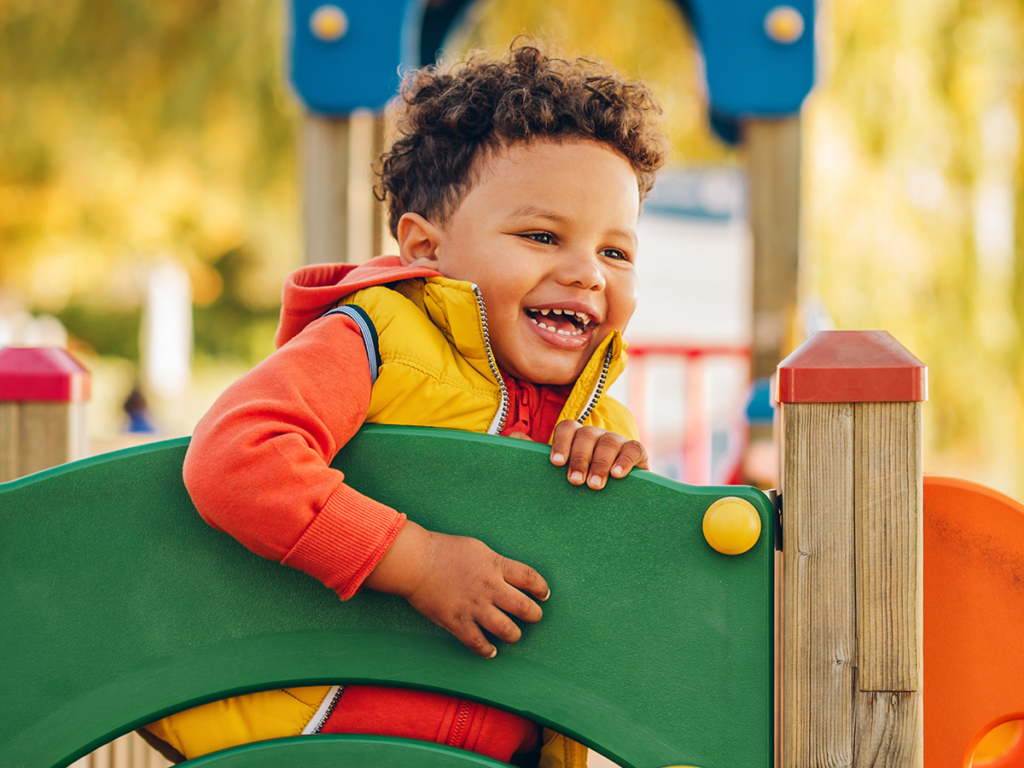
548	233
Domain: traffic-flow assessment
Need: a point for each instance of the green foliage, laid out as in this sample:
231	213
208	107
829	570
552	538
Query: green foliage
107	332
130	130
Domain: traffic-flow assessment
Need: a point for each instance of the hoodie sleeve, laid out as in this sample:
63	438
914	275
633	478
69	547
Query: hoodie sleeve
257	466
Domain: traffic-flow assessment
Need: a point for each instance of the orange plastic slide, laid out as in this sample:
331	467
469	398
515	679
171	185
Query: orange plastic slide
973	626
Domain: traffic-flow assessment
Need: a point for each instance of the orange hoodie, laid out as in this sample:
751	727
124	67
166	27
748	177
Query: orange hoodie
257	466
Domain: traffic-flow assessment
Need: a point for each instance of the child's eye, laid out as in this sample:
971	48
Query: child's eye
546	238
615	253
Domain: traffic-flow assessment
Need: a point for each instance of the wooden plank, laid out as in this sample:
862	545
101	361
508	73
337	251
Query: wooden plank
325	176
889	730
9	439
819	643
45	436
773	162
890	596
888	488
342	218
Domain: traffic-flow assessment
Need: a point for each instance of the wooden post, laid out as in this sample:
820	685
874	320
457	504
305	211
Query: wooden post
342	218
43	394
850	405
773	163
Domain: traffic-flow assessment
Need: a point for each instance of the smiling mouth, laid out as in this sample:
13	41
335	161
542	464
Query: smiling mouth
564	322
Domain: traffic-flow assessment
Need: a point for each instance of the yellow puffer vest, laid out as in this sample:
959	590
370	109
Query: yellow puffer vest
433	351
435	369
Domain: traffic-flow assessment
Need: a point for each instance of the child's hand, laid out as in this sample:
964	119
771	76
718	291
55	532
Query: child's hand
592	453
460	584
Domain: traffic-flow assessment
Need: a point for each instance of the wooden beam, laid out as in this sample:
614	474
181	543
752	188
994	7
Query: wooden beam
888	481
342	219
850	407
819	629
773	163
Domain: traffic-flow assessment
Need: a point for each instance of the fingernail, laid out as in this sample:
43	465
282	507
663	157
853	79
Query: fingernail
494	653
617	470
595	482
557	458
576	477
545	598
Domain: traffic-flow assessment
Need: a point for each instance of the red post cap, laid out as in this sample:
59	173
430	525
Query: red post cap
34	374
851	367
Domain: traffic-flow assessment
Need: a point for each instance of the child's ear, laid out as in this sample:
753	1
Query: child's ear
418	241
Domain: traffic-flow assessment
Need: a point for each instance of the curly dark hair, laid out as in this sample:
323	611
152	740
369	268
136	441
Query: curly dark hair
451	117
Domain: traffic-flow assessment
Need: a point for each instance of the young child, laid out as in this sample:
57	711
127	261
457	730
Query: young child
513	189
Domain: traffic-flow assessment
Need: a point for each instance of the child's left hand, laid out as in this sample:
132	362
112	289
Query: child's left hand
592	454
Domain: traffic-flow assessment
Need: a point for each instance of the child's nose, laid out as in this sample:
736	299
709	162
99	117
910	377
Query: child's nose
582	269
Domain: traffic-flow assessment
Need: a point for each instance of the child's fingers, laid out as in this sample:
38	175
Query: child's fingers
500	625
515	603
524	578
471	636
606	451
581	453
561	441
631	454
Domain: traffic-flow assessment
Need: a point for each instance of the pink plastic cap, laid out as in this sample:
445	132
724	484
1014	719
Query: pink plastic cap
42	374
851	367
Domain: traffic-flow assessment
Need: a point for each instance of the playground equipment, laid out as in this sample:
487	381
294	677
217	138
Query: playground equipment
127	606
656	650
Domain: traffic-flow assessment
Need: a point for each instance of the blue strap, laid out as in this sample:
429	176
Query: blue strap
365	325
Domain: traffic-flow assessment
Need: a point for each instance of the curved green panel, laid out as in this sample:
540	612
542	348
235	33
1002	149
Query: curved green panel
347	751
121	605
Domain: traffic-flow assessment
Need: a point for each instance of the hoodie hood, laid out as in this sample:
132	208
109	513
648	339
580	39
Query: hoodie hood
310	291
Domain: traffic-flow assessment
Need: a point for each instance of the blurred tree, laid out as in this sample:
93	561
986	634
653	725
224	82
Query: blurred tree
913	203
131	129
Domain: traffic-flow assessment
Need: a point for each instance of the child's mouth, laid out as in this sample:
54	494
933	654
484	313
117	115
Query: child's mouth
564	322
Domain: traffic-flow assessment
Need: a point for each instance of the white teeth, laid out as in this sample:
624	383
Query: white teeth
580	317
552	328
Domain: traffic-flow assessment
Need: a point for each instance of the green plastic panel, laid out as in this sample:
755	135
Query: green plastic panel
347	751
121	605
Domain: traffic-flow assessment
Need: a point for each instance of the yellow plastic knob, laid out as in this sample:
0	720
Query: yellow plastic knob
328	23
732	525
784	24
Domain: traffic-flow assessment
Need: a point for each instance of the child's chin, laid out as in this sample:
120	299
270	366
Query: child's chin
554	376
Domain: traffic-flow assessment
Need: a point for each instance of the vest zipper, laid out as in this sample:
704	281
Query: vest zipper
499	420
457	737
325	712
598	388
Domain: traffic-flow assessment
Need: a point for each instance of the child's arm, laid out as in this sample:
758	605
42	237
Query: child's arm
258	463
258	469
592	454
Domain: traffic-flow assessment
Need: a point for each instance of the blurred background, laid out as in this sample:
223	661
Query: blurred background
150	199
